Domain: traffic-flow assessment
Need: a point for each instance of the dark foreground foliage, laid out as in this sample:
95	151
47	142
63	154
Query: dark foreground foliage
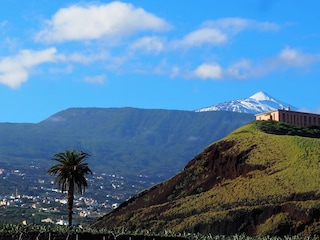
281	128
80	236
36	232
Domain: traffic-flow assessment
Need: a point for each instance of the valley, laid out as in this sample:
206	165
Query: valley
130	150
28	194
239	179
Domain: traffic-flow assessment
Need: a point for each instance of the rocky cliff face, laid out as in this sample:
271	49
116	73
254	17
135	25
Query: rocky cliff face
212	162
232	187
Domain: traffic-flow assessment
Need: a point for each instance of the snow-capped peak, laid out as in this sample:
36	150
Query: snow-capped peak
257	103
260	96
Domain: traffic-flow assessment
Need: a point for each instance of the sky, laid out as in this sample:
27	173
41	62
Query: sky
159	54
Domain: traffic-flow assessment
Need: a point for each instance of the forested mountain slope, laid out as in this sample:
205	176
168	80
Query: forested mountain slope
124	141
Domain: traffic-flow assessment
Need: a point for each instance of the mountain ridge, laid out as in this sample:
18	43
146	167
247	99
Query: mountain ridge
157	142
257	103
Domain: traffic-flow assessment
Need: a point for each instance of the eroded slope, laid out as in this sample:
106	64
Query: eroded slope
249	182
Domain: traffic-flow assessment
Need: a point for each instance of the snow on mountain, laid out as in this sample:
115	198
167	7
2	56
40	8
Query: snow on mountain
257	103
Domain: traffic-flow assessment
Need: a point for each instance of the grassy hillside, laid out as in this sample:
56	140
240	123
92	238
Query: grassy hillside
249	182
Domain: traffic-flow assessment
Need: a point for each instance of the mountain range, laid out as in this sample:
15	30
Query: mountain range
124	141
250	182
257	103
128	141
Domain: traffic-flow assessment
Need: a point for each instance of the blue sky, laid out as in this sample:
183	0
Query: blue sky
181	55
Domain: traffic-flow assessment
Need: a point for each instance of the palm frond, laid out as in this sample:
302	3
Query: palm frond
71	167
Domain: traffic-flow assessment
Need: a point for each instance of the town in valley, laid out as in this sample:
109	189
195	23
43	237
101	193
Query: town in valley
28	195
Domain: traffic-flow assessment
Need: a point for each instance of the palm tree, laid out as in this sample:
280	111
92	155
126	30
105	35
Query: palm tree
71	171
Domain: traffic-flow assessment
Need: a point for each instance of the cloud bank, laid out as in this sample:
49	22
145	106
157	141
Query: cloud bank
287	58
115	19
148	48
219	32
15	70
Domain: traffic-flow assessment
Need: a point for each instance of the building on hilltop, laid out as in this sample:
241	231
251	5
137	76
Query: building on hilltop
301	119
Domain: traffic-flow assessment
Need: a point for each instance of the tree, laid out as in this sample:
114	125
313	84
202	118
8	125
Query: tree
70	171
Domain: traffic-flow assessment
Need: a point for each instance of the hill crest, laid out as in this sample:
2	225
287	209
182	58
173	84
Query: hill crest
249	182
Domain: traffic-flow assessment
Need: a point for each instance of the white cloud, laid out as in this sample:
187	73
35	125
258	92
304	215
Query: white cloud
15	70
148	44
288	58
235	25
239	70
115	19
85	58
175	71
208	71
295	58
220	31
99	79
204	36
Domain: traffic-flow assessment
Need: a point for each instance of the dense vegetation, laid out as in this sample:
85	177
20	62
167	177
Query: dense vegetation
124	141
281	128
250	181
26	232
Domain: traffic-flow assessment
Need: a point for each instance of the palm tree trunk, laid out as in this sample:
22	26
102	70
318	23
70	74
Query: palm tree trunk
70	202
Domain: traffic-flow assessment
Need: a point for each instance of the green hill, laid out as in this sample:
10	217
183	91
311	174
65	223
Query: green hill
124	141
250	182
